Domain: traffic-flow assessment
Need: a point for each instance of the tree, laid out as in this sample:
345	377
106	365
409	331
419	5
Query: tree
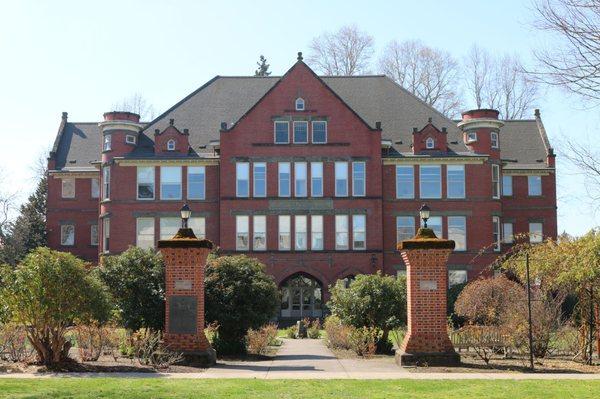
585	158
7	200
137	104
263	67
239	295
573	61
345	52
428	73
49	292
136	281
371	300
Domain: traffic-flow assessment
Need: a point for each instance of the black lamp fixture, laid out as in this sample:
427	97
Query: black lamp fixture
424	212
186	212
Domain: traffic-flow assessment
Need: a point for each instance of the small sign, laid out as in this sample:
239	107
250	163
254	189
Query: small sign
183	314
428	285
183	284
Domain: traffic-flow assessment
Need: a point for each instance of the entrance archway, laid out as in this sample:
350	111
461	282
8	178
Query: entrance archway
301	296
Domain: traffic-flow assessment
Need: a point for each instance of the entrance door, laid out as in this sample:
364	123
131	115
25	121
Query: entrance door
301	296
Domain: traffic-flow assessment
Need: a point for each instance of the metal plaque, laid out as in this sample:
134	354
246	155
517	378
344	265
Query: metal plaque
183	314
428	285
183	284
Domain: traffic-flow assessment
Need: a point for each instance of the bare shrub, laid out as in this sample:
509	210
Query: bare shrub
13	344
363	341
150	350
258	341
93	340
314	329
337	333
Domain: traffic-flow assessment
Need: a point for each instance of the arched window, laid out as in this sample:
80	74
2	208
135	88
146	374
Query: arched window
299	104
171	145
429	143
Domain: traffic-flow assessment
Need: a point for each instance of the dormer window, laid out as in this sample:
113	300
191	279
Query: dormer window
494	139
471	137
130	139
429	143
171	145
299	104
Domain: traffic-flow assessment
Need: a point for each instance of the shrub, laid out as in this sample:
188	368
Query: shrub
239	295
291	332
48	292
13	343
149	349
337	333
136	281
363	341
453	293
314	329
93	340
258	341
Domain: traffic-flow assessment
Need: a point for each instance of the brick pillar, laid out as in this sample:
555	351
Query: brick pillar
185	259
426	341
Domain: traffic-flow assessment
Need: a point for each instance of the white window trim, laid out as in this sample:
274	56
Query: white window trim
296	232
137	230
430	143
106	235
171	145
421	181
471	137
239	217
107	142
97	179
347	246
237	193
312	194
364	182
137	188
305	179
322	232
287	124
279	179
203	195
354	232
300	100
279	218
105	189
180	184
62	188
464	182
97	235
130	139
335	179
254	248
412	167
498	242
61	234
254	179
294	132
312	129
464	218
496	183
497	139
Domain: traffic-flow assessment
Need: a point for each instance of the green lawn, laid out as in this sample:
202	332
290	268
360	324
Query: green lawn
224	388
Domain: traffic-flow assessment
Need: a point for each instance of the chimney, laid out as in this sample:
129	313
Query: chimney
378	125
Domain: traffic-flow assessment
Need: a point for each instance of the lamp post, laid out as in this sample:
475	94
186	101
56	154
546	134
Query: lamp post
424	213
186	212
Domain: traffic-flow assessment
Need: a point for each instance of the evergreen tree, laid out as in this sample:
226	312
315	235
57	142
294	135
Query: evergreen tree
263	67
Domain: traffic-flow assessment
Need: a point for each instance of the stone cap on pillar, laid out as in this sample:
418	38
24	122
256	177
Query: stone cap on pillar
185	238
425	239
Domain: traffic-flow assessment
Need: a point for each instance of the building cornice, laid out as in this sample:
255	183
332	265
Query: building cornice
528	172
71	174
171	162
436	160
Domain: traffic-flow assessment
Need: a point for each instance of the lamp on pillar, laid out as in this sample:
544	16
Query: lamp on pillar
186	212
424	212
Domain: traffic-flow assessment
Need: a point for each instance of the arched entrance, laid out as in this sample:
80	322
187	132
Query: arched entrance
301	296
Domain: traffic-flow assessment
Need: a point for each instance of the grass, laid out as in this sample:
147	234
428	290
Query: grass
227	388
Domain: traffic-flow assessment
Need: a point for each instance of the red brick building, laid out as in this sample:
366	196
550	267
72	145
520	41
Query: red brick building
318	177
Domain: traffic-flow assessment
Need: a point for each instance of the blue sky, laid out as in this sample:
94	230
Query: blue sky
83	57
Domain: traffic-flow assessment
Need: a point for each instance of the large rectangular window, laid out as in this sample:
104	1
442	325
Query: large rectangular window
341	179
496	233
300	176
285	233
259	236
536	232
316	227
68	188
300	132
507	186
284	179
359	232
405	181
145	182
282	132
319	132
94	235
105	182
431	181
301	232
169	227
455	181
170	182
242	233
495	181
242	179
67	234
95	188
456	277
405	228
341	232
196	182
457	231
260	179
534	185
198	226
316	179
145	233
507	233
359	179
435	224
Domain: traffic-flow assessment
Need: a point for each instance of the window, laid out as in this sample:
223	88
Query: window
95	188
341	179
341	232
145	233
359	232
358	179
106	235
457	231
301	234
242	233
496	233
130	139
431	181
495	181
435	224
301	132
316	179
171	145
198	226
285	232
300	179
507	230
284	179
68	188
534	184
242	185
471	137
536	234
456	277
94	235
405	228
260	179
405	181
282	132
67	234
107	142
494	139
319	132
429	143
259	235
196	188
507	188
170	182
169	227
145	182
455	181
105	182
316	226
299	104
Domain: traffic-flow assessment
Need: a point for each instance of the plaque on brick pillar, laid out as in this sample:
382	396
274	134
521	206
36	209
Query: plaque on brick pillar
426	340
185	259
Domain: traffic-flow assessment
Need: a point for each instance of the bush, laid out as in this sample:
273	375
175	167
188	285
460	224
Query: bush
337	333
149	349
291	332
314	329
93	340
453	293
239	295
136	281
363	341
258	341
48	292
13	343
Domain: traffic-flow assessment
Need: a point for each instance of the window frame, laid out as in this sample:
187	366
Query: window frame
62	187
496	188
355	232
531	178
92	228
62	235
106	235
256	233
412	181
180	196
137	172
315	234
429	143
239	218
431	167
281	218
471	137
202	173
412	234
238	179
289	180
287	128
494	140
509	177
313	179
364	179
105	182
312	130
298	221
463	181
449	221
130	139
300	100
335	167
346	246
137	231
294	132
298	167
496	234
95	193
107	142
256	165
505	236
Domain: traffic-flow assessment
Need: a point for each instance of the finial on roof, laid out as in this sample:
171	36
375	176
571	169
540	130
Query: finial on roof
415	130
171	122
429	119
65	115
300	56
537	112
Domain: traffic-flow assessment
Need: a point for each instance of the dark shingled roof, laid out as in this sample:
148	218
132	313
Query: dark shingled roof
373	98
